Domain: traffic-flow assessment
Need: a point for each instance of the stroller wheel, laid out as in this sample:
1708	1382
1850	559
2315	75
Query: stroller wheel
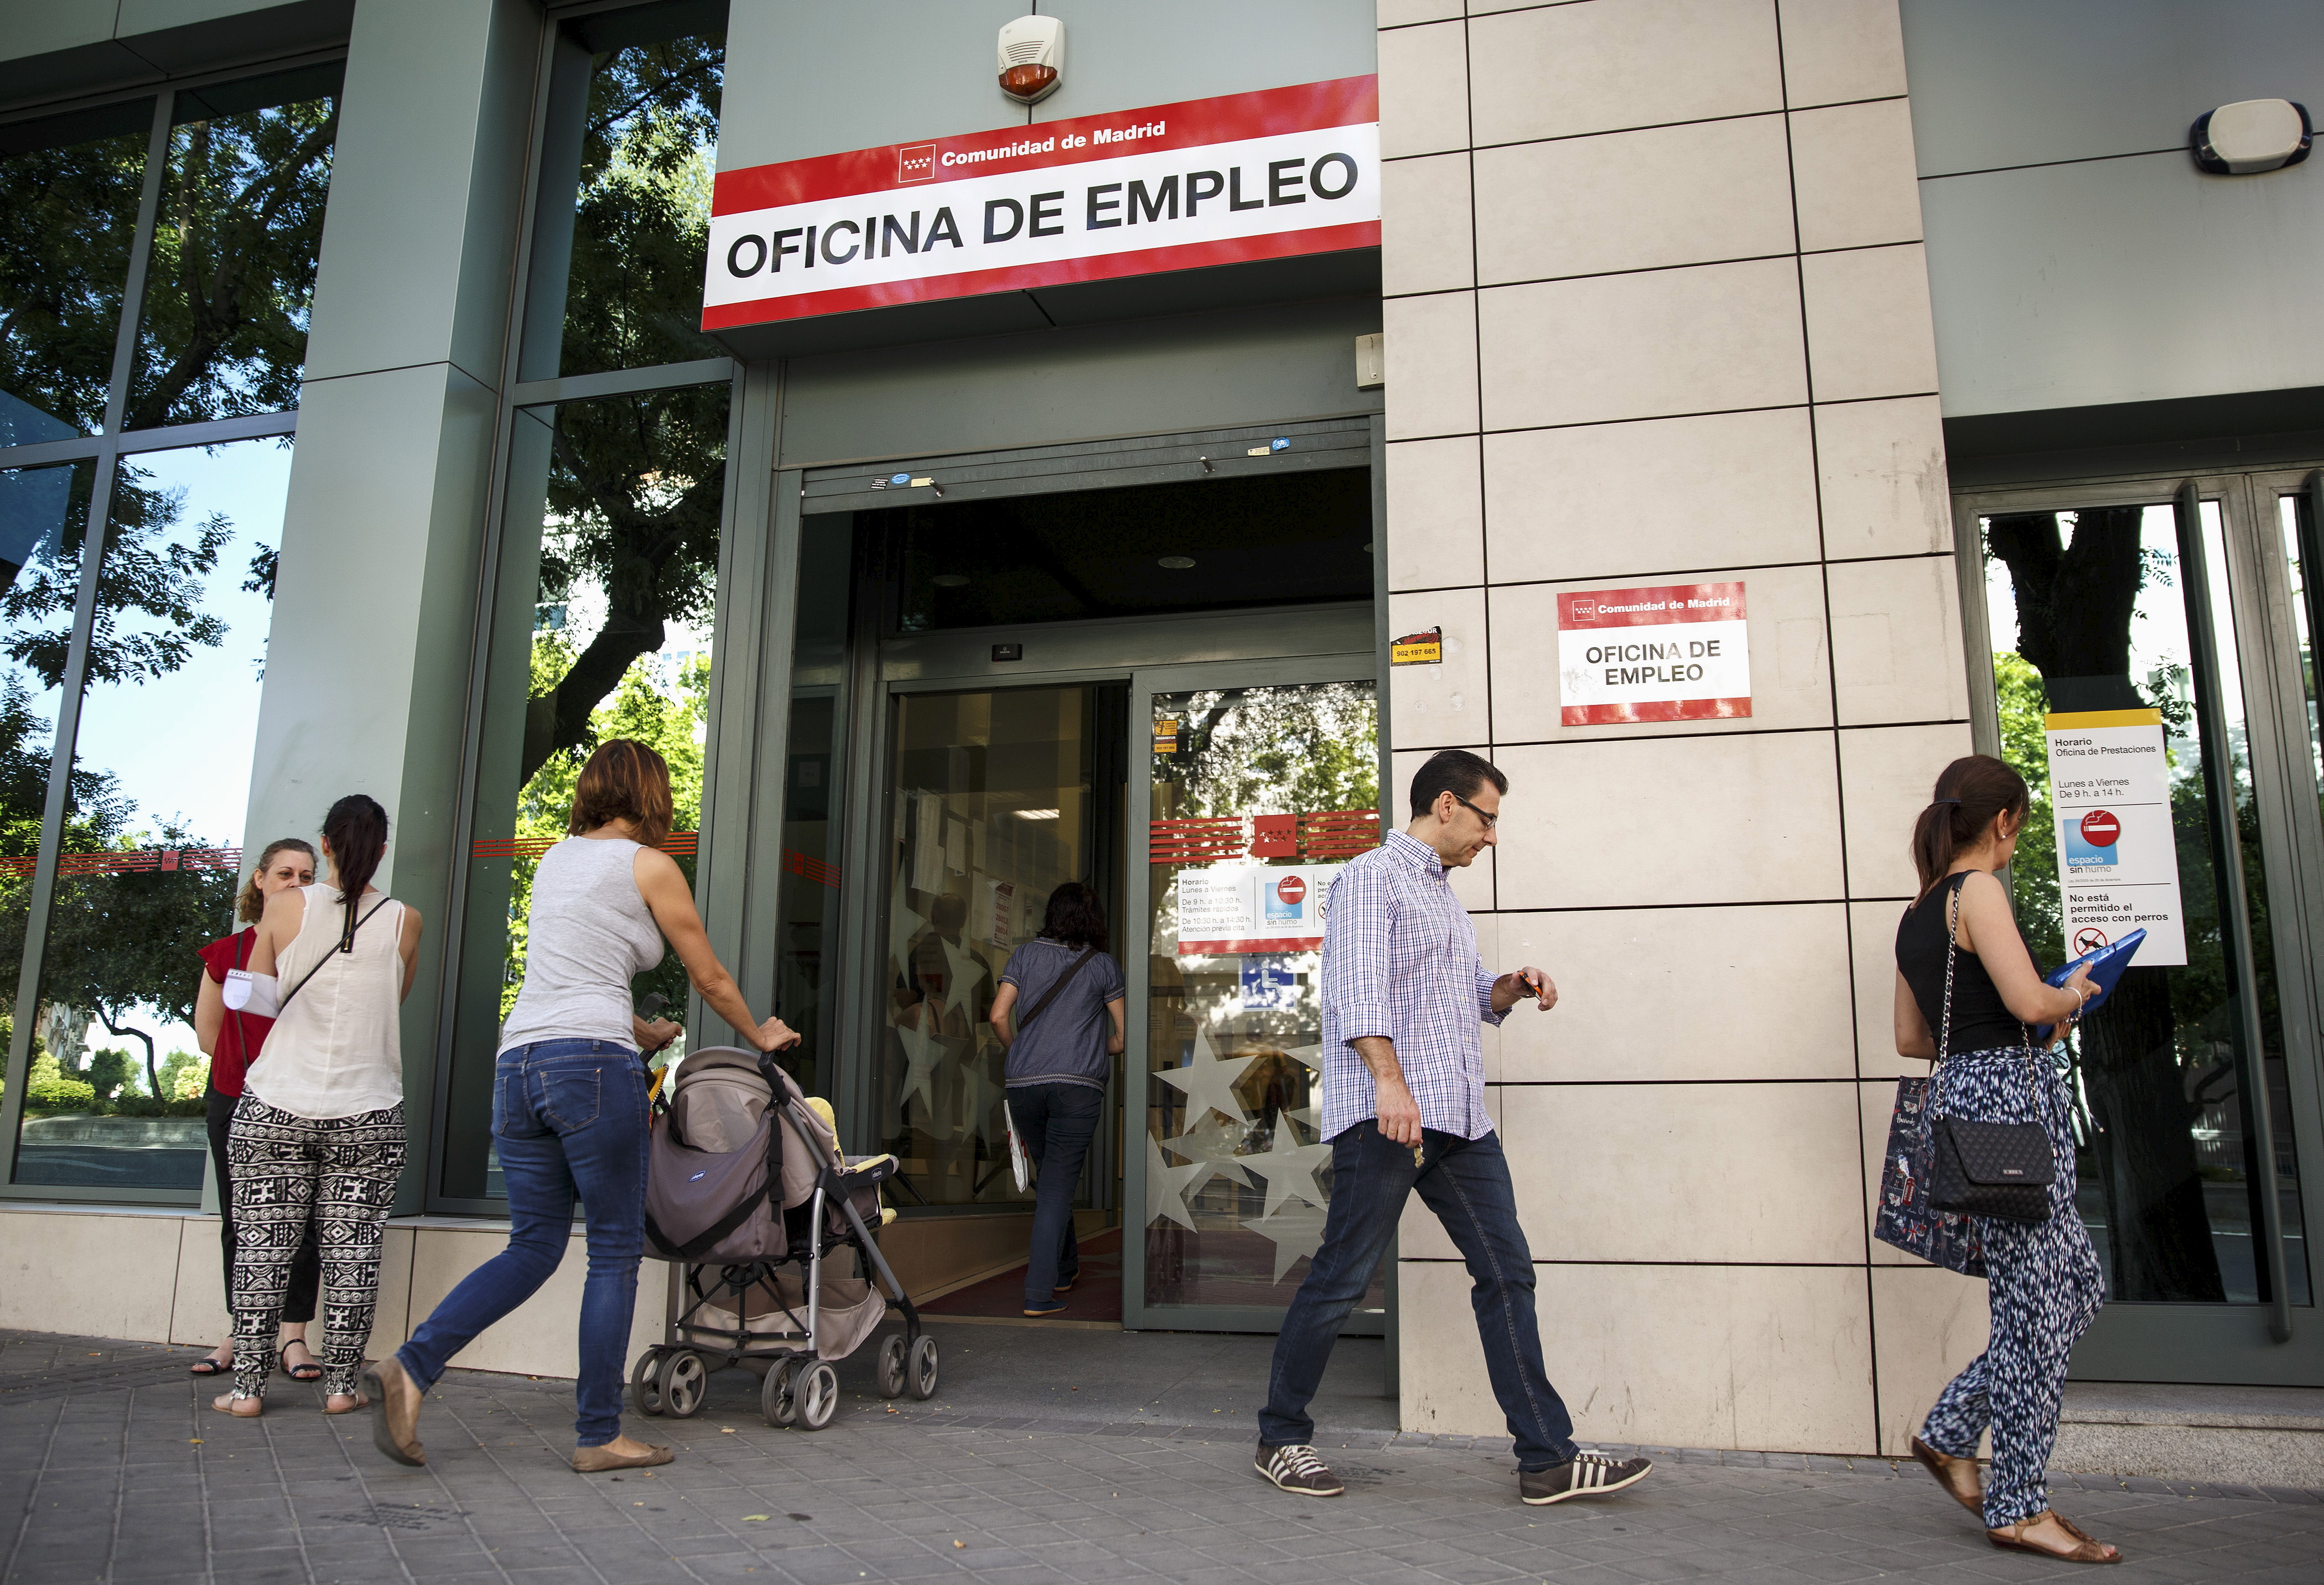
776	1399
891	1367
685	1382
924	1367
817	1396
645	1381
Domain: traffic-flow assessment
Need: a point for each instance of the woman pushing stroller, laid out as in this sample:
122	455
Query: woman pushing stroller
570	1098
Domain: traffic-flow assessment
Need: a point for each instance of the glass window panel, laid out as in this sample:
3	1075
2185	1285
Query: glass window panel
43	522
153	839
2097	602
2300	546
994	801
1245	1029
608	568
640	218
807	896
223	327
70	188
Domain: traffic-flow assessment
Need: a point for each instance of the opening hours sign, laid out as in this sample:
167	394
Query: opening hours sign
1678	652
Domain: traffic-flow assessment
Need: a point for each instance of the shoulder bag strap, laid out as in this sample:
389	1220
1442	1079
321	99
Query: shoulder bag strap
241	1029
1952	937
347	945
1050	995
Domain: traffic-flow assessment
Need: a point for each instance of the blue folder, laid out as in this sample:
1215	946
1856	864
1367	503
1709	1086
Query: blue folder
2105	966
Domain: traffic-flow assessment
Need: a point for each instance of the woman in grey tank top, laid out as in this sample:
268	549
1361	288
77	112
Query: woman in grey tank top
569	1109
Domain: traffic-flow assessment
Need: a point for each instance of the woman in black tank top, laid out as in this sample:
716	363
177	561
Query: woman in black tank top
2043	1280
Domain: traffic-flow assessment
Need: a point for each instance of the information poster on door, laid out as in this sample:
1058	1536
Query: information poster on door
1253	909
2117	857
1674	652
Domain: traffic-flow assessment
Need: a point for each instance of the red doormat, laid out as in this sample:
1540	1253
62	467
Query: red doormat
1096	1296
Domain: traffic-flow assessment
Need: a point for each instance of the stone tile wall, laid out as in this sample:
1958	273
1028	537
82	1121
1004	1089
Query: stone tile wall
1657	312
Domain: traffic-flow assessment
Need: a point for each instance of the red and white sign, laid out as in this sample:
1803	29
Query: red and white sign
2100	829
1679	652
1264	175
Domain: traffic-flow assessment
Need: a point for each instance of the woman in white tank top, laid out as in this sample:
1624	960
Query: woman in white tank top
569	1111
319	1132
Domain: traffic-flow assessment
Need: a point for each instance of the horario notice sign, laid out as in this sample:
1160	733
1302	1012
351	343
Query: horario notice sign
1264	175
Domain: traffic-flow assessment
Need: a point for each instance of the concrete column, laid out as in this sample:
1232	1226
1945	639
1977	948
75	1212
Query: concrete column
1680	334
375	599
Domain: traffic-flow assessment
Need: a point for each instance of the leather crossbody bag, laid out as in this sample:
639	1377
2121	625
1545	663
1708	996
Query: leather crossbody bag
2002	1170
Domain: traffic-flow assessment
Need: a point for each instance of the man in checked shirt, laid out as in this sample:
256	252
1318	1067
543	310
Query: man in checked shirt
1403	1107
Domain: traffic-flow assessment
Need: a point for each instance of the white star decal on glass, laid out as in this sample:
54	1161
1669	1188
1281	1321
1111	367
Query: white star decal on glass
924	1051
1209	1081
1165	1188
1289	1168
962	974
1297	1231
979	1099
1211	1145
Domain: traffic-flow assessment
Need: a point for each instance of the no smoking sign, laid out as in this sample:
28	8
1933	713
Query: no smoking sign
2101	828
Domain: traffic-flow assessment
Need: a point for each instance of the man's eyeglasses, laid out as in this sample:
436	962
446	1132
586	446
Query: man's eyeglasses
1491	820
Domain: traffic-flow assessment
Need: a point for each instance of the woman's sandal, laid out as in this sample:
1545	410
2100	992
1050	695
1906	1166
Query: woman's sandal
309	1371
228	1410
1958	1476
2085	1550
211	1365
357	1405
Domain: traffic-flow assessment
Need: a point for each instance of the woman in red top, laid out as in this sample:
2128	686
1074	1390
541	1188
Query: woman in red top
231	1040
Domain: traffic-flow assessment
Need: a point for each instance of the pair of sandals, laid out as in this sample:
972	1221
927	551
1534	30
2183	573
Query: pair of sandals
310	1370
1958	1477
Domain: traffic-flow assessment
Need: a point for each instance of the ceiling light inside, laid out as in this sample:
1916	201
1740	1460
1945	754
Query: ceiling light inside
1176	563
1037	814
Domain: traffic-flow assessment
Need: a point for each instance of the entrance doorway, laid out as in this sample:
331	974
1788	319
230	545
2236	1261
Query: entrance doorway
1035	668
2180	607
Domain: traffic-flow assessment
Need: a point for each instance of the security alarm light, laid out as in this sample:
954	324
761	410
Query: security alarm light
1032	54
2251	136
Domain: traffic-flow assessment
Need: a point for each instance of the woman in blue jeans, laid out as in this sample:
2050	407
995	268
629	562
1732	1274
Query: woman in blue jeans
569	1108
1060	1053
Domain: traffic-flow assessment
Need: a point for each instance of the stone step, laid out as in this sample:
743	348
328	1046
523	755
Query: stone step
2246	1435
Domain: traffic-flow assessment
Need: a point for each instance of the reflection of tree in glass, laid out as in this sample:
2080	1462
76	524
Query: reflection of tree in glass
67	218
2076	599
642	209
1276	751
674	722
634	493
225	323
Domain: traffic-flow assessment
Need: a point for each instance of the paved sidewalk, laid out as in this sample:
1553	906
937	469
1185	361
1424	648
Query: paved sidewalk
112	1469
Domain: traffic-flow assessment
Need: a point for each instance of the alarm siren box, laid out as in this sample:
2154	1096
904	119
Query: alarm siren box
2251	136
1032	57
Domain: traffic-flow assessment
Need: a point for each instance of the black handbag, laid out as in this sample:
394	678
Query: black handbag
2001	1170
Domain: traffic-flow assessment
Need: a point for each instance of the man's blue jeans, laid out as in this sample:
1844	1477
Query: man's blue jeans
1466	1182
1056	1122
568	1116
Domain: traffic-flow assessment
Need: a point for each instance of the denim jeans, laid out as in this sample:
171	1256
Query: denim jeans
568	1116
1466	1182
1056	1122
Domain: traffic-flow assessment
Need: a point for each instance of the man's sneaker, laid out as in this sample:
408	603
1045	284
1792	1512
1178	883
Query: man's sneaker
1040	1312
1583	1474
1296	1468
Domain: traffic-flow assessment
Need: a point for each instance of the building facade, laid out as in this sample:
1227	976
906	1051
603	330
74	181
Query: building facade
404	395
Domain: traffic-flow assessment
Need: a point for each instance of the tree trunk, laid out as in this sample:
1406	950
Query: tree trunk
2074	607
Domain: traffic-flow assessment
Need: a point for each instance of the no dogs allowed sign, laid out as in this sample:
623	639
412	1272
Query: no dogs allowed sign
1681	652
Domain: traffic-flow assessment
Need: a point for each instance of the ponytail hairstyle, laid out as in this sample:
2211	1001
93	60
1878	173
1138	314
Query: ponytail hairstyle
1969	792
356	830
253	902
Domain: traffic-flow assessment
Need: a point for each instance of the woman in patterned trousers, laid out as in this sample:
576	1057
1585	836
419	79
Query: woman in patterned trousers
319	1133
1967	991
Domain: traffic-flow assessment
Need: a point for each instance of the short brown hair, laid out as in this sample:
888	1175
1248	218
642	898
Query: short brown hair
251	906
624	781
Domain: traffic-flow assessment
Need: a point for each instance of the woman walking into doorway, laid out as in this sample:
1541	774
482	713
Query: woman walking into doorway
1967	990
1056	1072
317	1135
231	1040
569	1110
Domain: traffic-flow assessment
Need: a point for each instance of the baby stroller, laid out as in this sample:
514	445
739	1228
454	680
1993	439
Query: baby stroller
746	1189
